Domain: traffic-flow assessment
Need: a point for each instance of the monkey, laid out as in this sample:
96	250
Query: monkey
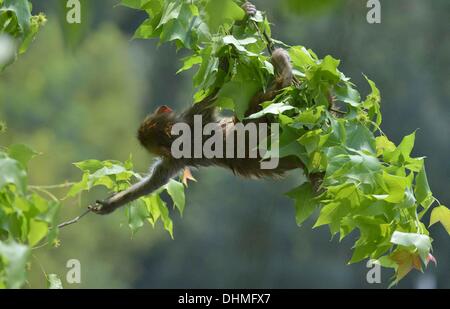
155	135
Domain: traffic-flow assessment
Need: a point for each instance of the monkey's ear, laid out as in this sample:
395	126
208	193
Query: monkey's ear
163	109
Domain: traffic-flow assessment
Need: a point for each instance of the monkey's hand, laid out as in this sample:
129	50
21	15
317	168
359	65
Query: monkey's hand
249	8
102	207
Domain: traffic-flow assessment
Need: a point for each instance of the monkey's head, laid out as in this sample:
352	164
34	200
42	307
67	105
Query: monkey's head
154	132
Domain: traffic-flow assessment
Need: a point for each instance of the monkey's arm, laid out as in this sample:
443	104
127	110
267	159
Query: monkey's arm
160	175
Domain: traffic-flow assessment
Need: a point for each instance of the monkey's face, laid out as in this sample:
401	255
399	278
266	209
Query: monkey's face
154	132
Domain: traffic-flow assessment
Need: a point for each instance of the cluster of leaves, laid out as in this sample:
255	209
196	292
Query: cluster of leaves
369	184
233	63
116	177
18	26
27	215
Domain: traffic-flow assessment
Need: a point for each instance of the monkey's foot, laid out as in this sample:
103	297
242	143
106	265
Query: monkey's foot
249	8
102	208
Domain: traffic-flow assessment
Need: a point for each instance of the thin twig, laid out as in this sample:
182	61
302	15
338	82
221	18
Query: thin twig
60	186
264	36
75	220
338	111
49	194
40	246
269	42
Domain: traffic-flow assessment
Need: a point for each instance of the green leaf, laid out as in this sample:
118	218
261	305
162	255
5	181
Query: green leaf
135	4
329	69
21	8
403	151
240	93
152	203
167	222
239	44
158	209
53	282
222	12
178	22
347	94
301	58
175	30
137	214
15	256
421	242
310	116
90	166
176	192
83	185
38	230
313	141
372	102
360	138
361	252
21	153
36	23
332	214
396	186
375	91
189	62
422	190
383	144
386	261
171	11
441	214
49	213
147	29
273	109
108	171
12	172
304	202
152	7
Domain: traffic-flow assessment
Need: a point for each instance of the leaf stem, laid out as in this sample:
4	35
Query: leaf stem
50	187
42	190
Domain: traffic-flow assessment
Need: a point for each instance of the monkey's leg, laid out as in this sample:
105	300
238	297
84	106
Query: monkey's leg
161	174
283	67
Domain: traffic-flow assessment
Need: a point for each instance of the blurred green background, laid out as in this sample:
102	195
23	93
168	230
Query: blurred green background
81	91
